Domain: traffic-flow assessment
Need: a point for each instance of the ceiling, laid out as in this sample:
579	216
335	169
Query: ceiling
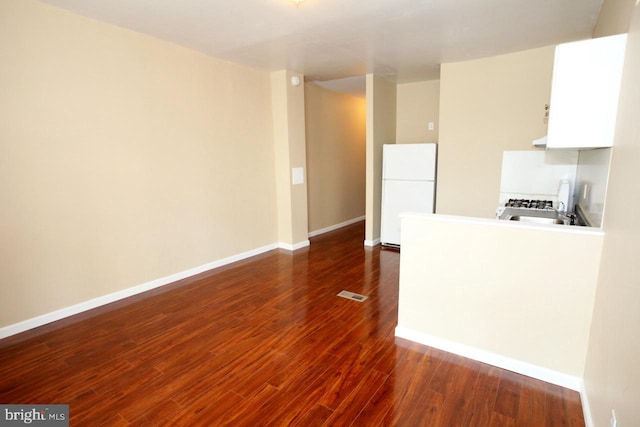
403	40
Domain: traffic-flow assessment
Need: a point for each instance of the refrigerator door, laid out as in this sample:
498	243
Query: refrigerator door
409	162
403	196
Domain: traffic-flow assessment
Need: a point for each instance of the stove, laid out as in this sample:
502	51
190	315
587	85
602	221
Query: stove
529	204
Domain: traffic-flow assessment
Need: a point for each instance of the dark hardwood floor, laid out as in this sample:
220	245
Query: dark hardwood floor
266	342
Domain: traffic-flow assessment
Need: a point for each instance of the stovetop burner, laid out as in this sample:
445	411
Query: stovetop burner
529	204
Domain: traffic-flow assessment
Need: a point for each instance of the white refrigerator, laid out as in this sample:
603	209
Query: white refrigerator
408	185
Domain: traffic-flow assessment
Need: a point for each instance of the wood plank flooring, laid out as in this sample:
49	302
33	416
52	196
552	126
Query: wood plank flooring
266	342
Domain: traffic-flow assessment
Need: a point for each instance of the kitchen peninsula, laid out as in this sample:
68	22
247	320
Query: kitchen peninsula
512	294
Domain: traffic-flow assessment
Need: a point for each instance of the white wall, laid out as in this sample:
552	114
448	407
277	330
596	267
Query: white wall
593	172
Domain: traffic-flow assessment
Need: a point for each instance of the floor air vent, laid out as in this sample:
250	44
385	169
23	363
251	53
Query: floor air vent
351	295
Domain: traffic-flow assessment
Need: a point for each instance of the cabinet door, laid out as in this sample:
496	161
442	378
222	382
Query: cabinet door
584	93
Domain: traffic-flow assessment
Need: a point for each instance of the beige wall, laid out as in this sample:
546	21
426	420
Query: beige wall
612	375
124	159
496	287
381	129
487	106
287	103
336	137
418	104
614	17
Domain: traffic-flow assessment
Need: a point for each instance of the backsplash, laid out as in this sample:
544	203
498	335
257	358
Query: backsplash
537	174
591	183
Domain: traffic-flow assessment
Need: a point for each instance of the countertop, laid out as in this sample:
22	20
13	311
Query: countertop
560	228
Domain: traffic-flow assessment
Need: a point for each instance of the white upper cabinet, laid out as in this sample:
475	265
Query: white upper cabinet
584	93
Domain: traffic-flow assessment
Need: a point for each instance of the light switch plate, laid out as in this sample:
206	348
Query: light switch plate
297	176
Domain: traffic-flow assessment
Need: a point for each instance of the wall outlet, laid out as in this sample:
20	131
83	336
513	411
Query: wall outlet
431	126
613	422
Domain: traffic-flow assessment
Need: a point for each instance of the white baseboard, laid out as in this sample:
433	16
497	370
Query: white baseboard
25	325
514	365
336	226
371	243
586	409
295	246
